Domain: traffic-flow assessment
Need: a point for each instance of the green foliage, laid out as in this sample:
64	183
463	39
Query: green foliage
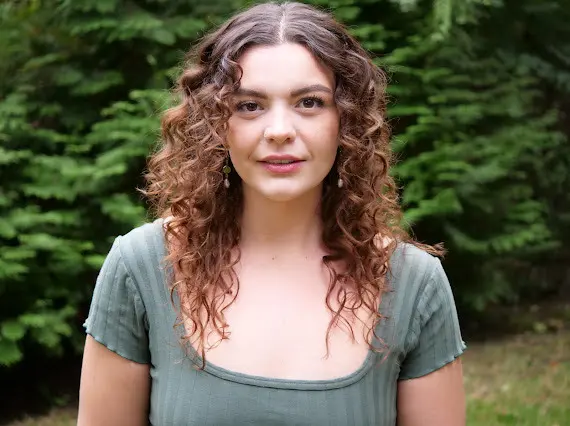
79	112
473	126
478	93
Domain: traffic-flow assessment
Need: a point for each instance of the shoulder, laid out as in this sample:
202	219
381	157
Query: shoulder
142	246
408	255
146	238
412	268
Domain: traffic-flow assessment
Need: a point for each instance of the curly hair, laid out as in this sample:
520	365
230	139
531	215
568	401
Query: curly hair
361	222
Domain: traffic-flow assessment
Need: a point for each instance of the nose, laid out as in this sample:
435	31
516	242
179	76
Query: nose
280	128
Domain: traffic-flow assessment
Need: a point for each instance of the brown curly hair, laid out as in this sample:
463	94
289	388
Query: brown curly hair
361	221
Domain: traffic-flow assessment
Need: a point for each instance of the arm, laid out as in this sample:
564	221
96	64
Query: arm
437	399
114	390
430	386
115	376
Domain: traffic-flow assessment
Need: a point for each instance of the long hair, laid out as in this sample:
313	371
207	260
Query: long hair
361	221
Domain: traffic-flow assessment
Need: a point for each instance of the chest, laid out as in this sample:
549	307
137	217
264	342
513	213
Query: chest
278	326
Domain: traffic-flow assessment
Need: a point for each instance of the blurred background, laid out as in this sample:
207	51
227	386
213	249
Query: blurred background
480	97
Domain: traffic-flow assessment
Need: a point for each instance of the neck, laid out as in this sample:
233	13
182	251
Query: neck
281	227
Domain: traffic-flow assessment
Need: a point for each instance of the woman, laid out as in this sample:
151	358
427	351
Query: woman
278	261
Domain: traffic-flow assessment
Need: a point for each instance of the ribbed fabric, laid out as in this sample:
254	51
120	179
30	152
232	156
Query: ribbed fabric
131	314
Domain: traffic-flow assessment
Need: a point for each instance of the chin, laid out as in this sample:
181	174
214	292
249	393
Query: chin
281	196
283	193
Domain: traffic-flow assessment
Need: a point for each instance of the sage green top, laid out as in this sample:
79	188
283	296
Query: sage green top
132	315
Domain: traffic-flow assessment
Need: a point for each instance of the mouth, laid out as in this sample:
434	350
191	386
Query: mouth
281	165
280	161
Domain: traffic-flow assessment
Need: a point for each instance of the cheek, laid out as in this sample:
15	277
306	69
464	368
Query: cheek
239	137
233	131
329	138
331	126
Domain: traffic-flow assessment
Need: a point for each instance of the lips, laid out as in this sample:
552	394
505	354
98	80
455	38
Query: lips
280	159
281	164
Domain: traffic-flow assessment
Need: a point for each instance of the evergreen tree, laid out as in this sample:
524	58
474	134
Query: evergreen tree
81	86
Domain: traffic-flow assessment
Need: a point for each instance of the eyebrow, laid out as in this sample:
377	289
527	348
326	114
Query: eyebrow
298	92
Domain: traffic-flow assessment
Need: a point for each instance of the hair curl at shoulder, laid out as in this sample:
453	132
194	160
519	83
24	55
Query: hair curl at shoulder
361	221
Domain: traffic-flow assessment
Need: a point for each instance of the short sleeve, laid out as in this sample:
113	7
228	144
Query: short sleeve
434	338
117	316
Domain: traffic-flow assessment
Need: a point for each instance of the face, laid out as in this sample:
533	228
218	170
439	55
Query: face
283	133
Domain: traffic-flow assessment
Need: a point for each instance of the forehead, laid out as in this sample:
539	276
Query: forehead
282	67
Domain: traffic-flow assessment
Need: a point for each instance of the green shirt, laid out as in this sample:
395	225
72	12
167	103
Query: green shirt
131	314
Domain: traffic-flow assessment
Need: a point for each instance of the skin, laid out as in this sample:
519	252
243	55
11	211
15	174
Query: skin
276	112
114	391
437	399
280	112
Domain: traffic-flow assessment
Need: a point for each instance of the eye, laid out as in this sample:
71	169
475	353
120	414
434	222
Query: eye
311	102
248	106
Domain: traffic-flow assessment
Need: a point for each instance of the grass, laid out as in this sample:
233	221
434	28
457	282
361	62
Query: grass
58	417
522	381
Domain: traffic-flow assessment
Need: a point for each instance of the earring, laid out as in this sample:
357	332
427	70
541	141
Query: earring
340	182
227	170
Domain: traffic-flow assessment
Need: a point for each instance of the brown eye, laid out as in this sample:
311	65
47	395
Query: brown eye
312	102
247	106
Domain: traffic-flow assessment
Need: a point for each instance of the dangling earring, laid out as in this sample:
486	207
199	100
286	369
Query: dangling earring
340	182
227	170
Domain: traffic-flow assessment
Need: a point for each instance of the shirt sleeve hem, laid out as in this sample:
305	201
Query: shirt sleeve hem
435	367
119	352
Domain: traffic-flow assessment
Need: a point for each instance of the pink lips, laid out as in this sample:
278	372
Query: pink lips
281	164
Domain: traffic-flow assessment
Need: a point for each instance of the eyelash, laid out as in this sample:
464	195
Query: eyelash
319	102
